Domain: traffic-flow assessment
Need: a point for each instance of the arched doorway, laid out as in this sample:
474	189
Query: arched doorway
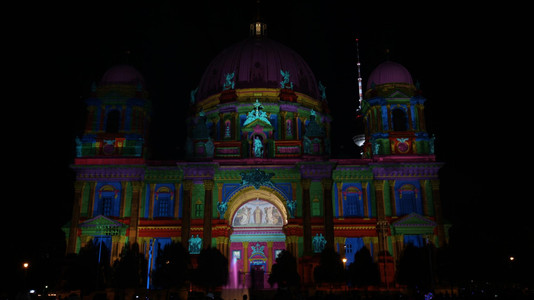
257	217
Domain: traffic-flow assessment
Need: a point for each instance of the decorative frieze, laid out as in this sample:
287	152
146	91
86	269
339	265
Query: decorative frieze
411	171
110	173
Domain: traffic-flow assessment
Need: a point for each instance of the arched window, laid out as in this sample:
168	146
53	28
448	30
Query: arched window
163	202
408	200
399	120
107	202
352	204
113	121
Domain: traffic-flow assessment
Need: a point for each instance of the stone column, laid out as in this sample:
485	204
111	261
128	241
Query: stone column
328	211
424	198
186	214
91	204
297	134
124	185
382	224
134	216
283	124
151	201
365	200
208	207
306	215
339	186
392	197
410	121
270	259
176	213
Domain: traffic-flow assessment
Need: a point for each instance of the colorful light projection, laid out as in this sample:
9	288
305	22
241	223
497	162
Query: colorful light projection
257	213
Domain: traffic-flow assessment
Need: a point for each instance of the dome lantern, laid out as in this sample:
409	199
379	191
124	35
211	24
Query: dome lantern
258	29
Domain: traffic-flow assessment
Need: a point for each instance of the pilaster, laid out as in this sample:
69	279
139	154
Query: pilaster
186	214
135	207
306	215
208	207
328	210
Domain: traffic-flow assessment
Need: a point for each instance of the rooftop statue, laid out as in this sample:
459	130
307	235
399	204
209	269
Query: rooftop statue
256	113
312	128
285	84
229	84
322	88
193	95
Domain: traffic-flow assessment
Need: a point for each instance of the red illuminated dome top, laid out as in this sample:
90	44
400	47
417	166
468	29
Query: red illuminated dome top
122	74
257	63
389	72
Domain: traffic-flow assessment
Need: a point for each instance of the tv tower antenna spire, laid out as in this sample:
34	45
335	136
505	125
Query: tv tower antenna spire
360	91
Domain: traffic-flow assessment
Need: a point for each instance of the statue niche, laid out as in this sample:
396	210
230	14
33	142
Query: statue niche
258	129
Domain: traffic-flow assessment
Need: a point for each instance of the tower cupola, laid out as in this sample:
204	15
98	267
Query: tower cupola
393	111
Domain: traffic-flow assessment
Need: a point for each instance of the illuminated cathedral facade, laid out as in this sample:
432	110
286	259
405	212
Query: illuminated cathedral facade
258	176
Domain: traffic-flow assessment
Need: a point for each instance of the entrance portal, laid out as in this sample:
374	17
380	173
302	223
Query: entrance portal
257	273
257	237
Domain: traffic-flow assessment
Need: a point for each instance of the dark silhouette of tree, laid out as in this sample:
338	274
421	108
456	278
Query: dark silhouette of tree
284	273
129	271
85	273
330	269
171	268
413	267
212	270
363	272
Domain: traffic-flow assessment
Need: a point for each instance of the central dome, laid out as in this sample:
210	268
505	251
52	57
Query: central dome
257	64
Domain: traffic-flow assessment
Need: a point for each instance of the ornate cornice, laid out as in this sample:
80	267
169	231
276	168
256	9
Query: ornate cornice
163	174
352	173
317	171
406	171
122	173
198	171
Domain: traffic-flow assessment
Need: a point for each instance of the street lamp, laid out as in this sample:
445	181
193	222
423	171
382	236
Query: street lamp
344	262
25	266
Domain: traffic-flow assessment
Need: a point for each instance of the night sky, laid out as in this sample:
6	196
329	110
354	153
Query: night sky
461	56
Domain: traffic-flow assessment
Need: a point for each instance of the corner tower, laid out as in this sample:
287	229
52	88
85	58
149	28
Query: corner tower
393	110
118	115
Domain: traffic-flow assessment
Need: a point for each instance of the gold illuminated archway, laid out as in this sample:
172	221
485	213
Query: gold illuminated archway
250	193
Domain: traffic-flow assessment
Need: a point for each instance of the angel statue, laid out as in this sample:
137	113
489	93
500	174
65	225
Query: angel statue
229	84
285	83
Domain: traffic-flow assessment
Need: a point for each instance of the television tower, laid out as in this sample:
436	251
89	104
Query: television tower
360	91
359	139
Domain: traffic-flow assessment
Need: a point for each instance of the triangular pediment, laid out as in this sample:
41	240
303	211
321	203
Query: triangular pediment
101	220
398	94
259	122
102	225
414	220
